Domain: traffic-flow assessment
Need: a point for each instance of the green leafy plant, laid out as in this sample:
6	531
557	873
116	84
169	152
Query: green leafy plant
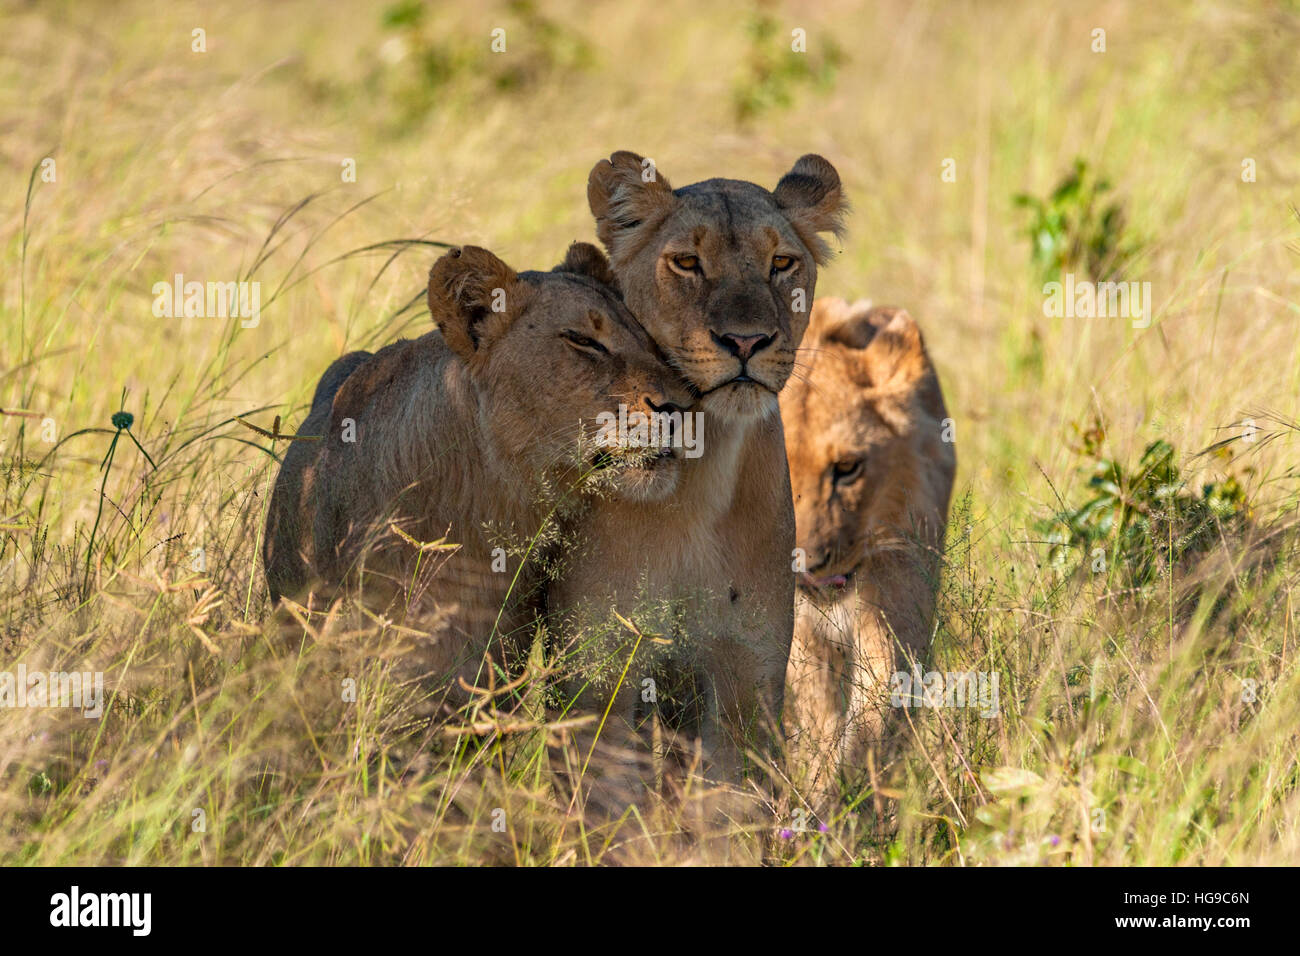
552	48
1144	518
1074	229
423	61
774	71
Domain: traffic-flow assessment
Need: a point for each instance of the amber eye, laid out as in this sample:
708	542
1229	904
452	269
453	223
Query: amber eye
782	263
687	263
847	470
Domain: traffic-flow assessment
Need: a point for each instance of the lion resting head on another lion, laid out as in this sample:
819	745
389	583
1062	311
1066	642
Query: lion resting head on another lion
483	434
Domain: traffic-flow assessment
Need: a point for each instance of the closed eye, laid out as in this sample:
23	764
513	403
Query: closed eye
584	342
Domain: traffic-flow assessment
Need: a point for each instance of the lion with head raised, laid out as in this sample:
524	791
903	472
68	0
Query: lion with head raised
872	464
721	274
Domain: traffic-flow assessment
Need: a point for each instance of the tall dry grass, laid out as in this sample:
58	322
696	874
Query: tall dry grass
227	164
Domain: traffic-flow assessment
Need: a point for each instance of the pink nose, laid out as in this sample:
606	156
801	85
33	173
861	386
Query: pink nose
743	346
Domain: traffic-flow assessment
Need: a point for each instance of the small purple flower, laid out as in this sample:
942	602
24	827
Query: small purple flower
786	834
822	828
101	764
1054	840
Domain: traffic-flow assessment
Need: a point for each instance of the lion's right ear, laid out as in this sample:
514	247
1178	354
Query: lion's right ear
626	192
473	298
835	320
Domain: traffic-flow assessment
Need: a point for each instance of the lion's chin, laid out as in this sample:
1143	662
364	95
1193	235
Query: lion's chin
655	481
740	401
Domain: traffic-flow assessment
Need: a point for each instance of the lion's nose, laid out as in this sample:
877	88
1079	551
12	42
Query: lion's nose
743	346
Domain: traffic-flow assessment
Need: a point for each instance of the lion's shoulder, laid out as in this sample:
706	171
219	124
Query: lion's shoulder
386	376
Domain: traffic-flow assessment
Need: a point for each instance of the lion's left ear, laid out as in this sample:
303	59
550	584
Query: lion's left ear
811	198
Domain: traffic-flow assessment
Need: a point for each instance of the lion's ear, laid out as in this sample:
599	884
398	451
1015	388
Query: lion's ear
811	198
473	298
892	351
835	320
586	260
626	192
895	357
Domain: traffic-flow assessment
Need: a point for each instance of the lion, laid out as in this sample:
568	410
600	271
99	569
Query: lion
872	465
476	434
721	275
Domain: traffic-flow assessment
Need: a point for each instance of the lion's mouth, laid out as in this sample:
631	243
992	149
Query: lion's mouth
827	584
652	461
741	380
647	459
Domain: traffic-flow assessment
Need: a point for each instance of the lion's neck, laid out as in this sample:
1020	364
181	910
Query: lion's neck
709	482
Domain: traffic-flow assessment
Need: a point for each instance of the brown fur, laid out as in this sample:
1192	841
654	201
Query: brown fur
871	396
477	432
715	557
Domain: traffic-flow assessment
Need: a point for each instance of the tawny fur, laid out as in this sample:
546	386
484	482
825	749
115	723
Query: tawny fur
871	395
715	559
476	433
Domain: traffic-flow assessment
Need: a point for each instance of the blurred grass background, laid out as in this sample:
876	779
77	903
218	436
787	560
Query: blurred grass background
228	163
